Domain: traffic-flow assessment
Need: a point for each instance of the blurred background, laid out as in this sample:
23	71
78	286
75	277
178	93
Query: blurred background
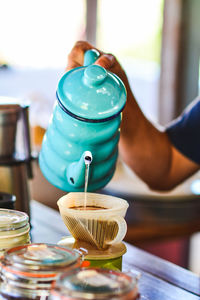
36	37
157	42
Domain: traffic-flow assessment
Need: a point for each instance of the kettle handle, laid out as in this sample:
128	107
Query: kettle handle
90	57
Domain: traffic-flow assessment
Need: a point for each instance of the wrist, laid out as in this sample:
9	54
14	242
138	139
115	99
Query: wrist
132	116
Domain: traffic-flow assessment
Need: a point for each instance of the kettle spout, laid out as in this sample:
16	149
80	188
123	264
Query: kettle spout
76	170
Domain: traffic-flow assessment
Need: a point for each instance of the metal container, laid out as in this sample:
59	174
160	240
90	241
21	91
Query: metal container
14	179
15	150
9	115
7	200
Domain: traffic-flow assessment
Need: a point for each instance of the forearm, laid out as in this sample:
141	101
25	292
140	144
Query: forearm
148	151
145	148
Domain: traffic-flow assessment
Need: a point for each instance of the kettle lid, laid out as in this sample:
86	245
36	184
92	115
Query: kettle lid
91	93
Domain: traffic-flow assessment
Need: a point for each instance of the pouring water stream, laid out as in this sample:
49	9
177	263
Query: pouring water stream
88	160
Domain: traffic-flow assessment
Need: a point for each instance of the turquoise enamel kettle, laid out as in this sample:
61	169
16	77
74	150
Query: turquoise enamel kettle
84	128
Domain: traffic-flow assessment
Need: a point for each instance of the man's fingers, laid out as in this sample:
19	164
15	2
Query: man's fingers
106	61
76	56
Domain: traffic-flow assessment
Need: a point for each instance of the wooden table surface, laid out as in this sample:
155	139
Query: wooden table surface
160	280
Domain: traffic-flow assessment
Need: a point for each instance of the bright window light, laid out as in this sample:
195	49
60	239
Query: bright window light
40	33
131	28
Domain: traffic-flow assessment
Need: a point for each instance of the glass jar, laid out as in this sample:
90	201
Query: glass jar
94	283
110	258
28	271
14	229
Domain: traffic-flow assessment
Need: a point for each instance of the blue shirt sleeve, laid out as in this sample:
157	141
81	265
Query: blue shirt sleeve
184	132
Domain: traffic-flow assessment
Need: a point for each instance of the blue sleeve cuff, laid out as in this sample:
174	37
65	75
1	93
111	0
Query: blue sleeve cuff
184	132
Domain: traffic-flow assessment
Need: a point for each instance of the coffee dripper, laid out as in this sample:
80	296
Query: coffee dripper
99	227
84	125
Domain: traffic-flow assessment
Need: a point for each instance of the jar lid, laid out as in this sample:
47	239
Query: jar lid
12	219
27	259
91	94
94	283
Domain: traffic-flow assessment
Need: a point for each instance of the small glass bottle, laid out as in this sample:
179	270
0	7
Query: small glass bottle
93	284
14	229
28	271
